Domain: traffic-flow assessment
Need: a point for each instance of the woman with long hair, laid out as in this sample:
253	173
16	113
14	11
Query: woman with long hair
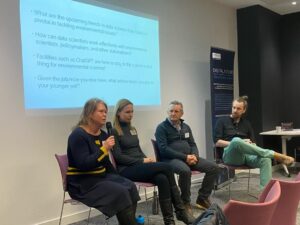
91	178
136	166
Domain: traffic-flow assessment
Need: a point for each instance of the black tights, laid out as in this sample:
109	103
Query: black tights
159	173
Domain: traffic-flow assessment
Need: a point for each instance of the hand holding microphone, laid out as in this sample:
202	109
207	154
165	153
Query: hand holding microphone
110	141
109	128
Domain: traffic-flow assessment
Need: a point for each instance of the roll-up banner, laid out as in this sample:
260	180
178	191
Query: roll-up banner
221	70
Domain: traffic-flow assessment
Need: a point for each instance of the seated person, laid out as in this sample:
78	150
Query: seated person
178	148
235	134
135	165
91	178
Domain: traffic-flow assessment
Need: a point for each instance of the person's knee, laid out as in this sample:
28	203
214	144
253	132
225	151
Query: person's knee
122	193
161	179
165	166
212	170
167	169
236	142
215	169
185	172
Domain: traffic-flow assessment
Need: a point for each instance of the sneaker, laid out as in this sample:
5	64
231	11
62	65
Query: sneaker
203	203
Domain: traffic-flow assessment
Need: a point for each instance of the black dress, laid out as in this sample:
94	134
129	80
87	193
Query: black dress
91	178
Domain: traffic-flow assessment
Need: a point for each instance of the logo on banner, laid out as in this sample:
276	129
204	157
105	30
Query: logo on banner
216	56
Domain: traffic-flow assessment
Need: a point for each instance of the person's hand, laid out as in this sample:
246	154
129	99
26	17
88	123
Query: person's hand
149	160
109	143
191	160
248	141
194	160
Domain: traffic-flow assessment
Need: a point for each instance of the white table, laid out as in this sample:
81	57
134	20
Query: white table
285	135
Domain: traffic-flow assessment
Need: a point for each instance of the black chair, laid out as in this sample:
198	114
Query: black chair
218	155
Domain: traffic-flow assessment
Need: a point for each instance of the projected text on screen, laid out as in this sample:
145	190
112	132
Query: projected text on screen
73	51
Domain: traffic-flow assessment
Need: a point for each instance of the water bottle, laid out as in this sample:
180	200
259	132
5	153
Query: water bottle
155	203
140	220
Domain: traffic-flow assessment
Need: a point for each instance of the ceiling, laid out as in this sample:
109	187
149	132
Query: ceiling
279	6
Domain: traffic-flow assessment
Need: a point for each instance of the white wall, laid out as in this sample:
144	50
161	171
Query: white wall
30	190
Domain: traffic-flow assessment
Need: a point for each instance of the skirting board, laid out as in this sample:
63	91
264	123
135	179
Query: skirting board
69	218
81	215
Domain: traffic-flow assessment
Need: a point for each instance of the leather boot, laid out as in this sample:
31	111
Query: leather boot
167	211
127	216
180	210
134	206
287	160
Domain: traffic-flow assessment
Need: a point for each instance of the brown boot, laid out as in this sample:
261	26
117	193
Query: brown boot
188	208
203	203
180	210
284	159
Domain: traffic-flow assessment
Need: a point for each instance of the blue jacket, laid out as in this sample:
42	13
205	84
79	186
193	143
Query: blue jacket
175	144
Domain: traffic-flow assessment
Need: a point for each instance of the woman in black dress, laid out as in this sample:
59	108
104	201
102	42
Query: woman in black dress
91	178
135	165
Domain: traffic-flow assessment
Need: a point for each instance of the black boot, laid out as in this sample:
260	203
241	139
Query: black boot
180	210
134	206
127	216
167	211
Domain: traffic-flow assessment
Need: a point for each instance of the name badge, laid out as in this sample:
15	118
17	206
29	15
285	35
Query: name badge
187	135
133	132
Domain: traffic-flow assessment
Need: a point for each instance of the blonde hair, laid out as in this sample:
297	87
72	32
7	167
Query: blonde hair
121	104
89	107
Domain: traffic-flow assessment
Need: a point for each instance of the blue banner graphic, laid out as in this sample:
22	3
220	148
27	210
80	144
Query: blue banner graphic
221	70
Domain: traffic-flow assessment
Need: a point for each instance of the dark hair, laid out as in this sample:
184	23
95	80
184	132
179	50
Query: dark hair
243	99
89	107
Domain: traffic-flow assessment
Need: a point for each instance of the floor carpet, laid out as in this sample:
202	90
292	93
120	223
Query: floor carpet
221	197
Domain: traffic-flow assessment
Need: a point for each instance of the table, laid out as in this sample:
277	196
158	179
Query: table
286	135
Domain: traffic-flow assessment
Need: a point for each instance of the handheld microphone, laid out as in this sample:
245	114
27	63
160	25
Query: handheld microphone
109	128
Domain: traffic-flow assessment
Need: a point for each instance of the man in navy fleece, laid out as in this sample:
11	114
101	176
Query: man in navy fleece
178	148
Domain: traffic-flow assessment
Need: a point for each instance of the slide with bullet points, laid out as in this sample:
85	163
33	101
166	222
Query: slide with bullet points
75	50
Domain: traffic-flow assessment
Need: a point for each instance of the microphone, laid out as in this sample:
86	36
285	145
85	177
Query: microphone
109	128
109	133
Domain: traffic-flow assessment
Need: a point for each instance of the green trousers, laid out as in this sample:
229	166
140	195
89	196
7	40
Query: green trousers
239	152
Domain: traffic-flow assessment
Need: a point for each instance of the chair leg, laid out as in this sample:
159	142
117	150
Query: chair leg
248	191
106	218
145	190
228	176
88	220
286	170
62	208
